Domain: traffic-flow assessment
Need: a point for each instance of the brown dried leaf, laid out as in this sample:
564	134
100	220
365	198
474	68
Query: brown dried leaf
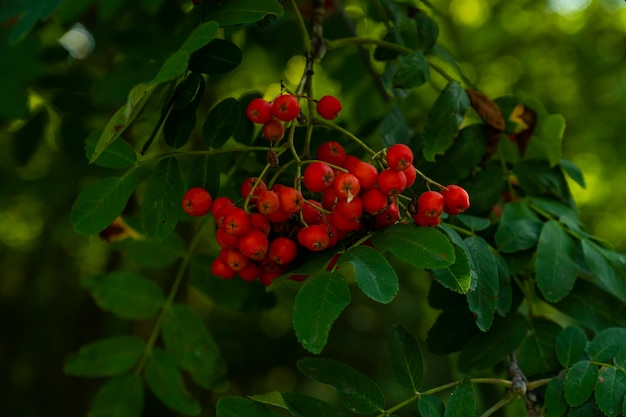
487	109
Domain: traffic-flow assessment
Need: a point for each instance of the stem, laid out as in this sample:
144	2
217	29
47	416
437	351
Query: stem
156	330
441	71
460	229
301	27
504	401
429	180
345	133
362	40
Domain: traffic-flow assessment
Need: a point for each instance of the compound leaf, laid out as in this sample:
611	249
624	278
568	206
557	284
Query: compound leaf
555	268
580	382
570	345
406	358
374	275
120	396
112	356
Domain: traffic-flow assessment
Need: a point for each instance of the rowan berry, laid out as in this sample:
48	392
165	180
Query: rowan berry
366	173
251	272
332	152
318	176
388	217
329	199
278	217
282	250
291	200
352	209
374	201
328	107
259	111
422	219
234	259
253	245
286	107
350	162
411	175
273	131
346	186
430	204
344	224
249	183
268	202
220	269
219	203
236	222
399	157
312	211
314	238
267	277
456	199
391	182
197	201
260	222
225	240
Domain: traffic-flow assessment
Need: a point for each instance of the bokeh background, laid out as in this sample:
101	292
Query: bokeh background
568	55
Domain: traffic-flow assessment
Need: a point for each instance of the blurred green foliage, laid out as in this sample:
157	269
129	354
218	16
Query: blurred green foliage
566	55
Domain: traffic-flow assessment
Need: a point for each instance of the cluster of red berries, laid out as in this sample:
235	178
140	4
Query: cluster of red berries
285	108
260	239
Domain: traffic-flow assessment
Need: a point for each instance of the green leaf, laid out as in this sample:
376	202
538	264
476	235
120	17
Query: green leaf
188	90
167	384
359	393
547	140
606	276
588	409
537	355
29	16
274	398
456	277
573	172
123	117
317	305
119	155
620	358
537	177
462	402
161	207
153	254
112	356
218	57
444	120
517	235
301	405
120	396
505	290
555	268
201	35
193	348
483	300
570	345
406	358
413	71
173	67
205	173
580	382
125	294
427	31
242	407
611	390
221	122
374	275
235	12
181	121
101	202
555	397
430	406
606	344
422	247
474	222
452	330
484	350
393	127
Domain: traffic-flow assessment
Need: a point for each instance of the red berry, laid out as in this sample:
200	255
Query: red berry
391	182
423	220
332	152
251	272
268	202
328	107
286	107
411	175
267	277
312	211
247	184
234	259
314	238
334	234
366	173
350	162
278	216
260	222
259	111
225	240
456	199
282	250
318	176
329	199
351	210
374	201
273	130
220	269
253	245
430	204
236	222
387	217
344	224
291	200
346	186
197	201
219	203
399	157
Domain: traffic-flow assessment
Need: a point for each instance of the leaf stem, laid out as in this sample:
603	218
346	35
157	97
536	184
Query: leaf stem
156	330
504	401
345	133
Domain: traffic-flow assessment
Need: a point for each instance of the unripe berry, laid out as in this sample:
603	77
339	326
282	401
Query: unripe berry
259	111
328	107
286	107
430	204
399	157
197	202
456	199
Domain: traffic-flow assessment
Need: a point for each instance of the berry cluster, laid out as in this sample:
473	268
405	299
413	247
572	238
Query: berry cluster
343	194
285	108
